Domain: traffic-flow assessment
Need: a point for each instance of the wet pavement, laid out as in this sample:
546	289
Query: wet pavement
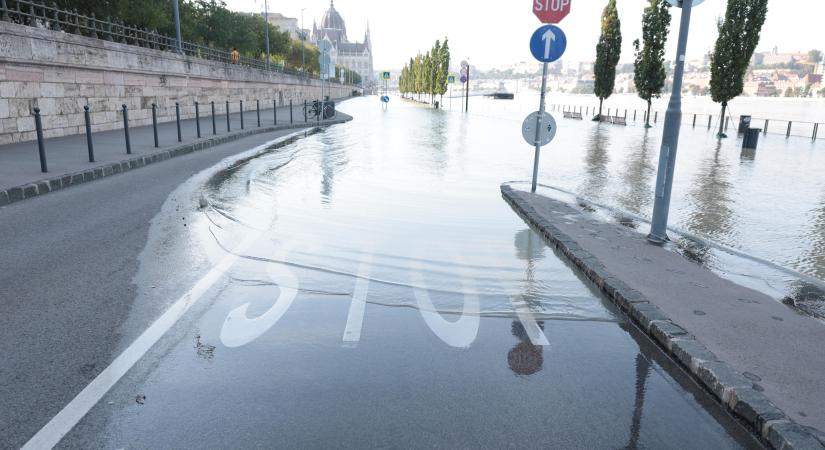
368	287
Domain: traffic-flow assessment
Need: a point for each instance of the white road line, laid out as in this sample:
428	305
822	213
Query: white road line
527	320
355	318
61	424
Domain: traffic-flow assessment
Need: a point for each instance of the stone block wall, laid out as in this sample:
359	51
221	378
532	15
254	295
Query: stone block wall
60	73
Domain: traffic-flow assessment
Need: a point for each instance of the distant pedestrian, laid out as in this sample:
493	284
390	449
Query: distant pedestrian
235	56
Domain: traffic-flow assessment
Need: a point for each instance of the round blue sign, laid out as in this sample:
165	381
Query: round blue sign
463	78
385	99
548	43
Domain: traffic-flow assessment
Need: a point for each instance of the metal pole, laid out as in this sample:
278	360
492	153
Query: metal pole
467	92
41	148
766	127
788	134
242	114
198	119
710	121
266	32
88	117
155	123
126	129
177	120
694	121
290	111
303	42
538	126
275	112
670	138
214	128
176	13
258	109
228	127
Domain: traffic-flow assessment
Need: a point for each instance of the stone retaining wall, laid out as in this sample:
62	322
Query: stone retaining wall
60	73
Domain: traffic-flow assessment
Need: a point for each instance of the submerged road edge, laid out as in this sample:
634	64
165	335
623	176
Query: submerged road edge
45	186
729	388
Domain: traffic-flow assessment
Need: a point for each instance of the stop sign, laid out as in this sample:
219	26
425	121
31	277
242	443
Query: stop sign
551	11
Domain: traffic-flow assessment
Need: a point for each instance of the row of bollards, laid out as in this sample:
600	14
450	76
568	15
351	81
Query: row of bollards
41	147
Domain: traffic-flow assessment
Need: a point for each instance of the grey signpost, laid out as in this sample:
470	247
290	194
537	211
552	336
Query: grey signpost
670	137
176	14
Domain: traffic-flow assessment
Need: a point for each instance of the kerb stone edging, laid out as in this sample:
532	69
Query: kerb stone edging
733	391
45	186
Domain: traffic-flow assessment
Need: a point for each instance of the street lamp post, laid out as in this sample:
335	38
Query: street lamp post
266	32
176	14
670	137
303	41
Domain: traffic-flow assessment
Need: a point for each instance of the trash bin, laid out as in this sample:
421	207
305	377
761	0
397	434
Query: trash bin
329	109
751	139
744	124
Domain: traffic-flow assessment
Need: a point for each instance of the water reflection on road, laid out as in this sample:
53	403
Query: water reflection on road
390	297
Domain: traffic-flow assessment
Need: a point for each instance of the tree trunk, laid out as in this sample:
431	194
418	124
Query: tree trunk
722	120
601	102
647	117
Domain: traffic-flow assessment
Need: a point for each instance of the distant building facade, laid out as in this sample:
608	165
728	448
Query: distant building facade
356	56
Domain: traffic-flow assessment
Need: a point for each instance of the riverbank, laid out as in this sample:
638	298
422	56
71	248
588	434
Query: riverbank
759	358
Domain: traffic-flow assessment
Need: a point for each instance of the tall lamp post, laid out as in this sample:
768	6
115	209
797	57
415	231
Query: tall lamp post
670	137
176	14
303	41
266	32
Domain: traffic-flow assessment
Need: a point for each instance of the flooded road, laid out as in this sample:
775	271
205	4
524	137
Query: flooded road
366	286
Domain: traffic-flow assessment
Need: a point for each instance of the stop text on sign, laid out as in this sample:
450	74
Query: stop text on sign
551	11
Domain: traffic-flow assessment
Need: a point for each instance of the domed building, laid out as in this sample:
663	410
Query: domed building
356	56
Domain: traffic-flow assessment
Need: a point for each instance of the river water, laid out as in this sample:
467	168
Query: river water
377	291
767	204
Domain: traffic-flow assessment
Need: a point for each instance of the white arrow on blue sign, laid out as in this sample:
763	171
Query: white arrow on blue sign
548	43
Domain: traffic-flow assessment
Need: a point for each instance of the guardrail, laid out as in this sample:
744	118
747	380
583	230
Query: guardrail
787	128
35	13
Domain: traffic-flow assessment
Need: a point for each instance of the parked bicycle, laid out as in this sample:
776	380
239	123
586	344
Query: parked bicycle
316	108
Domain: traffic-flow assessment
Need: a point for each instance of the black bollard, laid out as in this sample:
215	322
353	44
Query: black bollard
228	128
198	119
275	111
694	121
126	129
656	117
320	113
88	117
155	123
290	111
214	128
306	119
258	109
41	148
242	114
177	119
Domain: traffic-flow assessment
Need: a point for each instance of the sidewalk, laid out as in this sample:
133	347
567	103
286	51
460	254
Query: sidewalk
67	157
749	350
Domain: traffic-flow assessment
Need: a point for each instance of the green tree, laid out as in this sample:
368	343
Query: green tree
814	56
608	51
435	68
444	70
739	34
649	71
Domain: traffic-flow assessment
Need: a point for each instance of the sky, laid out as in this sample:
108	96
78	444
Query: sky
496	33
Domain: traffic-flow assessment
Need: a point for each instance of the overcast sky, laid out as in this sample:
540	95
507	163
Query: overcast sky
494	33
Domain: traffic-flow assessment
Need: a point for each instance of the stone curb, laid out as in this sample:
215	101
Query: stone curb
45	186
732	390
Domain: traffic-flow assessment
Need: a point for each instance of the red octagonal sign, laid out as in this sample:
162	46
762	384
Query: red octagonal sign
551	11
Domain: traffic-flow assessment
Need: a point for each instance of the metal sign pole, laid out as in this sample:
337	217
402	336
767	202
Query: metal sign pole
670	138
538	127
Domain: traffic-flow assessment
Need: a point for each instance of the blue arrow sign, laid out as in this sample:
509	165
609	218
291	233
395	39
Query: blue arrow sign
548	43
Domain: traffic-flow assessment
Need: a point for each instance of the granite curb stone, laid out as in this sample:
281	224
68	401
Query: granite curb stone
733	391
19	193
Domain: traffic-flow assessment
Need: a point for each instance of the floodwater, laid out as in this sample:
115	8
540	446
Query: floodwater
767	206
367	286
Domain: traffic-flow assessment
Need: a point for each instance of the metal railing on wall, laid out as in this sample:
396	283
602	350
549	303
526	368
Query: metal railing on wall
38	14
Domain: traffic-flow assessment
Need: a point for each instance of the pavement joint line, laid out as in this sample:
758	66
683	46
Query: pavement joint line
41	187
70	415
720	380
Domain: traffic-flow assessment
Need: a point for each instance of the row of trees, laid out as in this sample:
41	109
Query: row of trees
206	22
739	33
427	74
